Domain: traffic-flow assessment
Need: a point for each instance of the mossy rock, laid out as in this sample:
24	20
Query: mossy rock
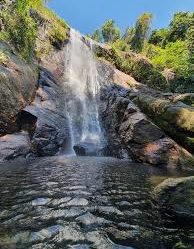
176	119
181	245
176	195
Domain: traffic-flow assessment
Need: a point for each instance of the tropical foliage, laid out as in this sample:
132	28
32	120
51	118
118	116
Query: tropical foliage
167	48
19	25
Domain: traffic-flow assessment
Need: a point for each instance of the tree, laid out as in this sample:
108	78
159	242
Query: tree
174	56
121	45
97	35
142	28
190	38
179	26
110	31
190	45
128	36
158	37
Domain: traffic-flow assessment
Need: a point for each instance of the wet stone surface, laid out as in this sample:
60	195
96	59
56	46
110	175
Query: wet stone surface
81	203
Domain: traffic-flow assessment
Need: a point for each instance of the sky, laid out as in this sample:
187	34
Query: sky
88	15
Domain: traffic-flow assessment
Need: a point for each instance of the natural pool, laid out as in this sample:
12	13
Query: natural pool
84	202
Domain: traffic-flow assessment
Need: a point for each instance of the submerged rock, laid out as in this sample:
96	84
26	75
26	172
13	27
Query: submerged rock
88	149
14	146
177	196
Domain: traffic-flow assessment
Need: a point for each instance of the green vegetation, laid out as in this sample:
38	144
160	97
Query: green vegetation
108	33
121	45
173	48
168	49
180	245
141	32
97	36
136	66
20	27
175	56
3	58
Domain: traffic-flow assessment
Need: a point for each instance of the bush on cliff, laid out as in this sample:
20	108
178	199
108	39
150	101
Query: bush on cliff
170	48
135	65
20	25
175	56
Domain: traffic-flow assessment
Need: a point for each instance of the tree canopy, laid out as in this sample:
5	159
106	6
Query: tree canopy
167	48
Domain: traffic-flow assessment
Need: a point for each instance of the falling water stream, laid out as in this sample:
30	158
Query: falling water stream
82	86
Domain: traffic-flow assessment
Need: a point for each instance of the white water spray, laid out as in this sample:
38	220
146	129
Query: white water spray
83	88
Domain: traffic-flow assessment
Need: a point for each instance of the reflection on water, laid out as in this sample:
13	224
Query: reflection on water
83	203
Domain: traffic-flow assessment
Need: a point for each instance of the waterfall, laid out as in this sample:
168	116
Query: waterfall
82	87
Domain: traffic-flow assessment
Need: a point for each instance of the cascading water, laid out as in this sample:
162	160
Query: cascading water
82	87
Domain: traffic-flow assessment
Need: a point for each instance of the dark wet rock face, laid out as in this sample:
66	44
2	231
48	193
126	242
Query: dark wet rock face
51	131
111	109
31	105
84	202
89	149
177	197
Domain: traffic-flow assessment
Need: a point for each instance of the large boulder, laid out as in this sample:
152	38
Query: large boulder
32	99
176	195
88	148
130	132
111	110
170	114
